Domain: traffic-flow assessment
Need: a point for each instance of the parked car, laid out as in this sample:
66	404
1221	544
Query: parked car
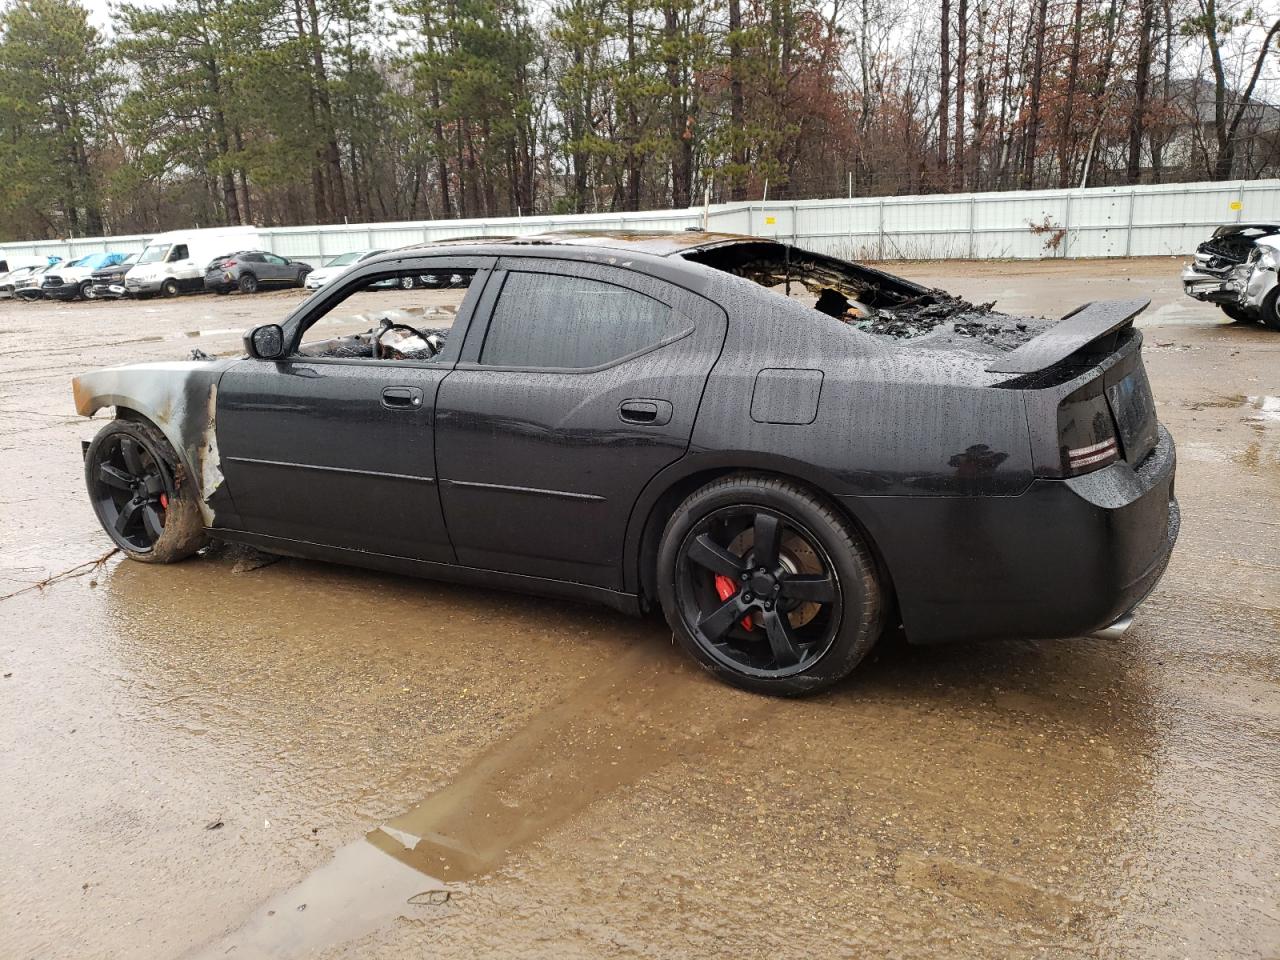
74	281
10	280
174	262
646	420
318	277
30	286
1236	269
11	262
248	270
108	282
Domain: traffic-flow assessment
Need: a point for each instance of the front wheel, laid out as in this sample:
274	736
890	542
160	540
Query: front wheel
1237	313
768	587
408	283
1271	309
86	290
141	499
170	288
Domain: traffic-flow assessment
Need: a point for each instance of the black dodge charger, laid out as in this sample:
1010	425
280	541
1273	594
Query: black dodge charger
787	452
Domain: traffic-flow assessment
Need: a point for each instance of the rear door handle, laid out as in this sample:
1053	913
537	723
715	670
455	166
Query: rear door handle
645	411
402	398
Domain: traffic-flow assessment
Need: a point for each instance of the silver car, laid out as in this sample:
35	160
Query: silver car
1237	269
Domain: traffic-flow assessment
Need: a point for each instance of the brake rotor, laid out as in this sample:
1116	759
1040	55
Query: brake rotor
796	557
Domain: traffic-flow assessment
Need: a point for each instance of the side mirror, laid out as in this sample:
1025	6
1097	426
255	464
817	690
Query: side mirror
265	342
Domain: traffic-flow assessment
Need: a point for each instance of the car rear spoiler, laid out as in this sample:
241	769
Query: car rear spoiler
1077	329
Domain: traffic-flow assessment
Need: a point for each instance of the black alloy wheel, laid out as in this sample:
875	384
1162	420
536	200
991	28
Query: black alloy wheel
248	283
139	494
759	591
768	585
131	489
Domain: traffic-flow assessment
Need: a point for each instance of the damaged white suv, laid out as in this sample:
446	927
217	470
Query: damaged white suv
1236	268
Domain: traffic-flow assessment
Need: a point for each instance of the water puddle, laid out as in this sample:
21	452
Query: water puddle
1266	409
647	710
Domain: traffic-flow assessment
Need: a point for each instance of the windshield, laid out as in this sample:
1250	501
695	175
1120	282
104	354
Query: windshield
154	253
345	259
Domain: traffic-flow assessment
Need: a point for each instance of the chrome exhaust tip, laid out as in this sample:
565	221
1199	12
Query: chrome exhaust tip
1116	630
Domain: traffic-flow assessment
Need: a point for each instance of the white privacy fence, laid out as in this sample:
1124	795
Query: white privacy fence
1151	220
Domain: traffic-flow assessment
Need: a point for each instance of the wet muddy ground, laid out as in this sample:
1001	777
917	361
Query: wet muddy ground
222	759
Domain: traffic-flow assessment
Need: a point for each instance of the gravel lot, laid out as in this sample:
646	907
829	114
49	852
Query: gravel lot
193	755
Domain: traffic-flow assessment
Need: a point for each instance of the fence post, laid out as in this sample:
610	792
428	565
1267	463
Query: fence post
1240	201
1066	227
1128	232
880	232
973	213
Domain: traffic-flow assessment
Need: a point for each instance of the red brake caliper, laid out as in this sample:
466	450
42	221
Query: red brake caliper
726	588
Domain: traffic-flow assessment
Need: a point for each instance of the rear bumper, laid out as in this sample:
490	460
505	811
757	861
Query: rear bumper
1067	558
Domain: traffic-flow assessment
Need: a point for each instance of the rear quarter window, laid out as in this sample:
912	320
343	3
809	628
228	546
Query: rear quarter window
546	320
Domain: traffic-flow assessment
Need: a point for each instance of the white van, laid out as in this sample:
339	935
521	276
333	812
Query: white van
175	261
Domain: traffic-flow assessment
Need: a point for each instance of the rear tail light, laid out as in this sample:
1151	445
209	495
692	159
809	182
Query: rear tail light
1096	455
228	264
1087	435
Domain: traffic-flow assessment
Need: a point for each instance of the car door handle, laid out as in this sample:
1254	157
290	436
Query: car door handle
402	398
645	411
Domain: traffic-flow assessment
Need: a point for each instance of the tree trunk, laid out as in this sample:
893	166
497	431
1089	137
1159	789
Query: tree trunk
1141	79
944	96
962	41
680	122
1037	84
1065	133
332	156
737	110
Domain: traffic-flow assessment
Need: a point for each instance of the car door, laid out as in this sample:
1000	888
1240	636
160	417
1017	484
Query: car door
340	451
583	383
278	269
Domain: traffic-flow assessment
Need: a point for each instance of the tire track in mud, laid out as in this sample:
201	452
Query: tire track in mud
648	710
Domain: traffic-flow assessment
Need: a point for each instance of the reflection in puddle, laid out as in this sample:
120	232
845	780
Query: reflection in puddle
645	711
1268	408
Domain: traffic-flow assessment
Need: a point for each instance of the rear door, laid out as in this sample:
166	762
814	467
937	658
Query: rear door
582	385
278	269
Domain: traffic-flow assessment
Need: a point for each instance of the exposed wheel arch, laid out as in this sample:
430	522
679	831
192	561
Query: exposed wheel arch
659	504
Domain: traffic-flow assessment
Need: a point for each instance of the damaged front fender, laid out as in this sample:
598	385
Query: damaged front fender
180	398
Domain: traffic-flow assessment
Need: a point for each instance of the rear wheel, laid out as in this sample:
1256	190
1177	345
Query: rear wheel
408	283
133	479
767	586
248	283
169	288
1271	309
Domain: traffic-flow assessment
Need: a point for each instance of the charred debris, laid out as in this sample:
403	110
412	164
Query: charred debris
870	300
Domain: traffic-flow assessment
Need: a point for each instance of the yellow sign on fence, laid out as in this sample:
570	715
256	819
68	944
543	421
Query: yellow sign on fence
769	221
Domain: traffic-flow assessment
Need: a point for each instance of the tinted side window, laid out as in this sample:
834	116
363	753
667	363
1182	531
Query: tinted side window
179	252
547	320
